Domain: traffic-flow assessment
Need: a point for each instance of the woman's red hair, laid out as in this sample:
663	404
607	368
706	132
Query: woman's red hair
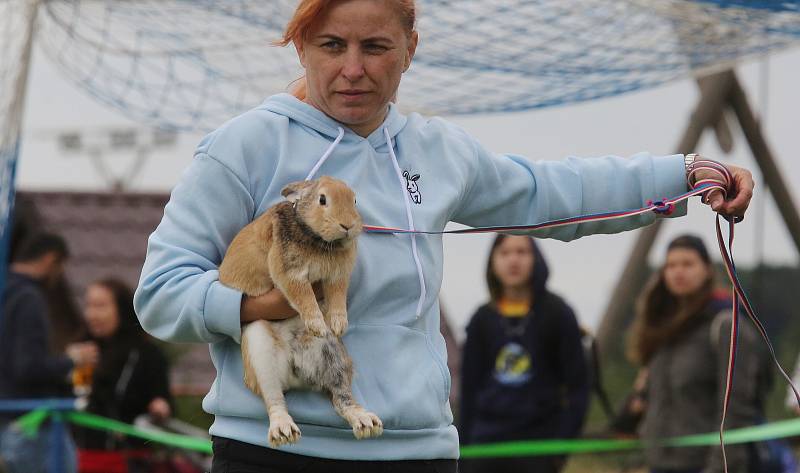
309	11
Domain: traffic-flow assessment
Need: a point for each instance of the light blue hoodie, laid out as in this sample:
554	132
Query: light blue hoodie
393	336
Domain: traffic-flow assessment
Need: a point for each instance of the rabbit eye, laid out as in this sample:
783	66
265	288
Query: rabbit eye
322	200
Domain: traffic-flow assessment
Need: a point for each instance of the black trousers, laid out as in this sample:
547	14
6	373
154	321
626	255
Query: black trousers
232	456
512	465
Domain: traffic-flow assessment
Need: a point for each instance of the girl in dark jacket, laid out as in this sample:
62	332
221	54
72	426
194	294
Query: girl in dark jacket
524	370
681	337
130	380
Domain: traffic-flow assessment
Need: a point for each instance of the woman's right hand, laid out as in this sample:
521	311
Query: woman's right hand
159	409
270	306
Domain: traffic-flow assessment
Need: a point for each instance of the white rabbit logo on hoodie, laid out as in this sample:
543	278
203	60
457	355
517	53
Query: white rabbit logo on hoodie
413	187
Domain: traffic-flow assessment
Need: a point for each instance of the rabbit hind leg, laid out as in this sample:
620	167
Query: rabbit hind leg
336	378
267	373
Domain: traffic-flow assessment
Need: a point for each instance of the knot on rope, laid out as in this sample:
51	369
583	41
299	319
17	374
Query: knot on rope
663	206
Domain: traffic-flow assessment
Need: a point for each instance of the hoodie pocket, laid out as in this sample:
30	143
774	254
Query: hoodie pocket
399	376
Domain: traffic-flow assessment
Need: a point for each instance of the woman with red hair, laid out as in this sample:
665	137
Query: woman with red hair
407	171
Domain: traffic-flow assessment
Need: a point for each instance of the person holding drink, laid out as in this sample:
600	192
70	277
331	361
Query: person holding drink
130	379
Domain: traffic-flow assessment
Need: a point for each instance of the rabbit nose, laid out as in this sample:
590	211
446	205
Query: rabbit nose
345	227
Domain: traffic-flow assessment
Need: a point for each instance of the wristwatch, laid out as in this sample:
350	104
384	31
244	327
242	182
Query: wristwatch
688	162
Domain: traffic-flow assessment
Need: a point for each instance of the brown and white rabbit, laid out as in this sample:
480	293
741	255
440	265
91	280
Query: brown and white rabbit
309	238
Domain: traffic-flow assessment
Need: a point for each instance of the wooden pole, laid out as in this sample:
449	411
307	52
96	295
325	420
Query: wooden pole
714	90
766	161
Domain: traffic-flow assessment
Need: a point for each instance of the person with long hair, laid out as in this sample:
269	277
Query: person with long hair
131	378
524	373
407	171
680	338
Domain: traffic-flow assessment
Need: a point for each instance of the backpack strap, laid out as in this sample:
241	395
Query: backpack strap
716	326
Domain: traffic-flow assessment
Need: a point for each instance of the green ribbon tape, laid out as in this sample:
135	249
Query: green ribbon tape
173	440
774	430
527	448
31	421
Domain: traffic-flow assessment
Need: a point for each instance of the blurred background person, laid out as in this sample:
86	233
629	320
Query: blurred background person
29	368
130	380
681	336
524	373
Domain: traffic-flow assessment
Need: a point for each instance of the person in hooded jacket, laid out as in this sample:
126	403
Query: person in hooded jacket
524	373
130	380
407	171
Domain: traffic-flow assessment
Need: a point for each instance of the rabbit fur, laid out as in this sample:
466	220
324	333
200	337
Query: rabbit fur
309	238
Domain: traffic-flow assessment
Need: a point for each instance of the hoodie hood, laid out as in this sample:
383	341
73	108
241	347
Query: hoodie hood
290	106
538	278
541	271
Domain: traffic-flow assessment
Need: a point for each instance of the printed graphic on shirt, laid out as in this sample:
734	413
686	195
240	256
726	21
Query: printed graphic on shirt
412	187
513	365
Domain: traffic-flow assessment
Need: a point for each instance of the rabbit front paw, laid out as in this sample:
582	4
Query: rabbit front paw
316	326
338	323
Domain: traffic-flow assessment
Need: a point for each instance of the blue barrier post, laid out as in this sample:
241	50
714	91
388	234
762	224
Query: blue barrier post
57	456
57	443
25	405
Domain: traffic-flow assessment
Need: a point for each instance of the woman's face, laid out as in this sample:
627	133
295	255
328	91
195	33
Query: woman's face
685	272
513	262
101	314
354	57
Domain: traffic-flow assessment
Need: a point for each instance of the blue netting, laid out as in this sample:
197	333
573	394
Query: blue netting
192	64
774	5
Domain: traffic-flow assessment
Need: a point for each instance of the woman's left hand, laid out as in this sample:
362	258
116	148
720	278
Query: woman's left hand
739	196
159	409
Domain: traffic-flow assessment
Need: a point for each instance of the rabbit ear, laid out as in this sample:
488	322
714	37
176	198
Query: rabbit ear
415	177
295	191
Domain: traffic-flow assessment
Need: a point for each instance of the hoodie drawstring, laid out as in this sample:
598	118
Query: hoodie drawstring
325	156
422	290
414	251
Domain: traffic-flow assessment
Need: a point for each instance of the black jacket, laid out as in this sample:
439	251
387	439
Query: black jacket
130	375
524	378
28	368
